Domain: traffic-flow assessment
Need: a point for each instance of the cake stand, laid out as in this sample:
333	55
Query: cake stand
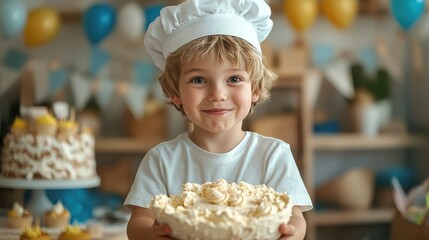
39	202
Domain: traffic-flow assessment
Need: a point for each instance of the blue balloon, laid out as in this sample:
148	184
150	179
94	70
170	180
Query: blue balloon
98	22
13	16
151	13
407	12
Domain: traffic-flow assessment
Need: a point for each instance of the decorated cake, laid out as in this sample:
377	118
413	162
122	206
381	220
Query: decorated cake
43	147
219	210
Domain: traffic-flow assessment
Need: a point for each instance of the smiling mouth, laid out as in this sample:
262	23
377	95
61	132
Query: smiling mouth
216	111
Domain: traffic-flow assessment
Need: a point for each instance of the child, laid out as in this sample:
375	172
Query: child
213	72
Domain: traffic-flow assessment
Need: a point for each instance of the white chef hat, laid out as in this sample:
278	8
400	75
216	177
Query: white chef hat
192	19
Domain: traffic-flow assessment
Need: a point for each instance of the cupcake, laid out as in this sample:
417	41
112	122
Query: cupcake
18	217
74	233
34	233
67	128
46	124
19	126
57	216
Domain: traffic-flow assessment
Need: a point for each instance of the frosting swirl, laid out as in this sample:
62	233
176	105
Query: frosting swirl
19	123
217	197
32	232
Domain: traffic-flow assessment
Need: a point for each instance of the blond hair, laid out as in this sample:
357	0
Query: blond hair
219	49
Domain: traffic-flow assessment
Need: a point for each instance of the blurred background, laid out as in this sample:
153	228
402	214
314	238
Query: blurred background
351	99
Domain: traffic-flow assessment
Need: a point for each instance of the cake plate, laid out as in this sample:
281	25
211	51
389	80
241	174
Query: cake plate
39	202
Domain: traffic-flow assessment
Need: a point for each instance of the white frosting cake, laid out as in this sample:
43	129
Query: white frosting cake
59	154
48	157
218	210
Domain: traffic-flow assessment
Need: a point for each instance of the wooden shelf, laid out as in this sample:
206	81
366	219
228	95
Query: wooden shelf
124	145
342	142
348	217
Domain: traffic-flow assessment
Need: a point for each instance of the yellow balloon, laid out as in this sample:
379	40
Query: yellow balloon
41	27
301	13
341	13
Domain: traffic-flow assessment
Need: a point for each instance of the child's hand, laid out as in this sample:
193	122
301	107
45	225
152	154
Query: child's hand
161	231
287	231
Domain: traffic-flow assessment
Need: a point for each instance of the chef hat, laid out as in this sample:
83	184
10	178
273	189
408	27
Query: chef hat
192	19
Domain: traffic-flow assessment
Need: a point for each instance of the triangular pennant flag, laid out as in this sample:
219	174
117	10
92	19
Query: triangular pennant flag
105	92
322	54
368	58
41	79
98	60
136	99
144	73
15	59
81	90
338	74
313	81
8	77
58	79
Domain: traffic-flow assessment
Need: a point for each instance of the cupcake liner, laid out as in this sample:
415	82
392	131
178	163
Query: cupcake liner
18	131
58	221
46	129
20	222
68	131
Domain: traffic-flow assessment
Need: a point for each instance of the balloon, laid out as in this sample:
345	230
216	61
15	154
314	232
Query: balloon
151	13
301	13
13	16
341	13
407	12
131	21
98	22
42	26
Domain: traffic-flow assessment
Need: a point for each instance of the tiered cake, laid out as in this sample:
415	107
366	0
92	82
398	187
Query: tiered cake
45	147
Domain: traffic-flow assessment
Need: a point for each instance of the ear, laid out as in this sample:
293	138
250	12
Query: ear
255	97
176	100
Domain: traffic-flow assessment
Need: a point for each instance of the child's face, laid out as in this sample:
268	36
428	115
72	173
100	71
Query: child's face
215	97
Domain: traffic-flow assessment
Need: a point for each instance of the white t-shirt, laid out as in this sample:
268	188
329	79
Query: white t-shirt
256	160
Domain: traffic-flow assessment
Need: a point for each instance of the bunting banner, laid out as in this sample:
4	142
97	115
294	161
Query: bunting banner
98	59
14	59
81	90
57	79
136	100
8	77
338	74
105	92
322	54
144	73
369	59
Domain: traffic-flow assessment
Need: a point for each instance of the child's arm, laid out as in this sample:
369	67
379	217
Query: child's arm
141	225
296	227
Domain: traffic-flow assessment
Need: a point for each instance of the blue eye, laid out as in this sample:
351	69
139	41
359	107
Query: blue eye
198	80
234	79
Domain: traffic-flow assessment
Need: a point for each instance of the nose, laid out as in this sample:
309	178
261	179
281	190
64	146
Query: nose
216	93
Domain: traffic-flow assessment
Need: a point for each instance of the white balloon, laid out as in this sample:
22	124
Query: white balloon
131	21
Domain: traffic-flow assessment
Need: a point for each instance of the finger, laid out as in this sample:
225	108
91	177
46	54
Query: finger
285	229
161	230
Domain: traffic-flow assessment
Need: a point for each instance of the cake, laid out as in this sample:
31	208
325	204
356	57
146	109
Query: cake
34	233
53	151
219	210
57	216
74	233
18	217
